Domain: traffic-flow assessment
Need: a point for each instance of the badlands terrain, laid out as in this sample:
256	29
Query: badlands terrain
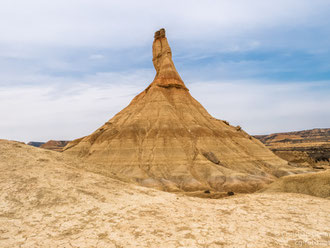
208	184
55	145
167	140
307	147
48	200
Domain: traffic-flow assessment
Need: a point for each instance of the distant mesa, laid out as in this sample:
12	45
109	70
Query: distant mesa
305	148
55	145
35	143
167	140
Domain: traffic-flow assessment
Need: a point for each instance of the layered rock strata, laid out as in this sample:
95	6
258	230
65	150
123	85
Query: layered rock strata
166	139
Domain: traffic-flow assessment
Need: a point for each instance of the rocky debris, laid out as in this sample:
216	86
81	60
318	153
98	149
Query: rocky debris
165	139
318	167
238	128
211	157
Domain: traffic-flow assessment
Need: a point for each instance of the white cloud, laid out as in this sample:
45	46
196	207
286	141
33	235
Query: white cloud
262	107
121	23
52	54
96	56
56	111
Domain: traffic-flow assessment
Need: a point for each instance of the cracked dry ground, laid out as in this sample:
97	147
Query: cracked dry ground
46	201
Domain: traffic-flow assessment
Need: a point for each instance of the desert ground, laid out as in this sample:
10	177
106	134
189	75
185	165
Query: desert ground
220	186
48	200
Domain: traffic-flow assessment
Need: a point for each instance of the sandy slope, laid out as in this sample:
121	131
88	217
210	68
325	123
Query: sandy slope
316	184
45	202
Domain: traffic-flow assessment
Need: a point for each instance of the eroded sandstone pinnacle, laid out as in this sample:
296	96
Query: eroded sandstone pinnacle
166	139
160	49
162	57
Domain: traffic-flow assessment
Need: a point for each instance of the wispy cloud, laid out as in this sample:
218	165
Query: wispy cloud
263	107
50	111
43	112
68	66
97	56
117	23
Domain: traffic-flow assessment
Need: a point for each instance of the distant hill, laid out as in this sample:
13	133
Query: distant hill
35	143
307	147
55	145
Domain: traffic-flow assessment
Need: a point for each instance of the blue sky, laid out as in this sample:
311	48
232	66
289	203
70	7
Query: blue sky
66	67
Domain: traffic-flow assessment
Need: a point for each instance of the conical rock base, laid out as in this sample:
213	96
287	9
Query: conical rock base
165	139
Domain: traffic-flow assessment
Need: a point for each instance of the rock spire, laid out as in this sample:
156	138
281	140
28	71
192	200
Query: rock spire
167	140
166	73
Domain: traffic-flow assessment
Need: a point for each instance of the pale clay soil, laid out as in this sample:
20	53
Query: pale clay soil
45	201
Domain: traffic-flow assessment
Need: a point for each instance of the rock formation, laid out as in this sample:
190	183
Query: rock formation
35	143
307	147
55	145
165	139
